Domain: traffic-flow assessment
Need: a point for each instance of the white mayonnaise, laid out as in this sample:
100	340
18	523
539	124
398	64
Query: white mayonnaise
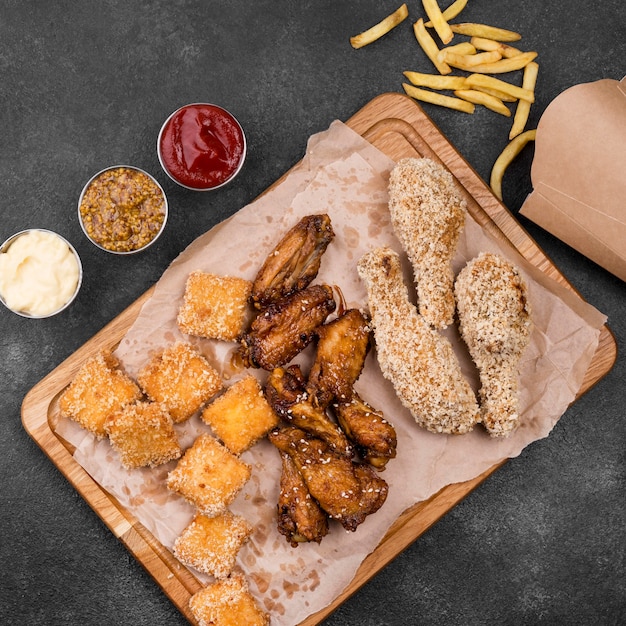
39	273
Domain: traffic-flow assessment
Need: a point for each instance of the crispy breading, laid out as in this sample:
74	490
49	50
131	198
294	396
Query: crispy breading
208	475
211	544
342	346
227	602
99	389
375	438
418	361
495	323
428	214
346	490
286	327
214	306
300	517
181	378
241	416
286	392
293	264
143	434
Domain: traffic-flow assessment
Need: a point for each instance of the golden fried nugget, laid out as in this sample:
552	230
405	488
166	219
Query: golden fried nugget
227	602
214	306
143	434
241	416
181	378
211	544
99	389
209	476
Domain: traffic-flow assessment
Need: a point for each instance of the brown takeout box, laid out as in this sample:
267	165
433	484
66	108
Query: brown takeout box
579	172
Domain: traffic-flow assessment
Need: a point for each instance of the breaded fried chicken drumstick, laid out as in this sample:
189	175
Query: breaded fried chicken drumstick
494	320
428	215
418	361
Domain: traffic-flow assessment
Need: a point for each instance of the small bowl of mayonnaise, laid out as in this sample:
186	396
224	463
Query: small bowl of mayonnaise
40	273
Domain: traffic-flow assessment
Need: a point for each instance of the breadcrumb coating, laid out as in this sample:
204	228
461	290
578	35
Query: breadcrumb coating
211	544
227	602
495	323
241	415
428	215
209	476
418	361
99	389
143	434
214	306
180	378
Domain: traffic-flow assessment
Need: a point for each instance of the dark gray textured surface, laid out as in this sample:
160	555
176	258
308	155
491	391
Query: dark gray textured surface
84	85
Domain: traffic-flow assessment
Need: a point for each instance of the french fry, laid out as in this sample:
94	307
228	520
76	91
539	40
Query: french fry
442	28
483	30
505	97
435	81
460	48
522	111
504	66
513	148
468	62
380	29
429	46
488	101
451	12
480	43
437	98
480	80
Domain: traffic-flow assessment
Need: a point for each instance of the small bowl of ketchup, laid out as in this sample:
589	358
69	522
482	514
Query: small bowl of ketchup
201	146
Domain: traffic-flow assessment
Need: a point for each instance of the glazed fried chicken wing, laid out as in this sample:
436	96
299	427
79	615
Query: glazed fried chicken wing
294	262
428	215
341	350
494	320
286	327
375	438
286	393
418	361
300	518
346	490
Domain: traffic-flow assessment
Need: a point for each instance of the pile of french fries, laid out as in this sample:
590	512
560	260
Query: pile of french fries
487	50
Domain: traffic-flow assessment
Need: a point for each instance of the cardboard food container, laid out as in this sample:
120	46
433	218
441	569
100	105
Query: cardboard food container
579	172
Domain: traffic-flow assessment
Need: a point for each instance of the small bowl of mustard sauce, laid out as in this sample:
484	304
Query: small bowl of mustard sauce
40	273
122	209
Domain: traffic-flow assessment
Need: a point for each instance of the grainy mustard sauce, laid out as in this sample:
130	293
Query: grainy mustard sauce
122	209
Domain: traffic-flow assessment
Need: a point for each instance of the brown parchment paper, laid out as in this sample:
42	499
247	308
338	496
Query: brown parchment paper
578	172
345	176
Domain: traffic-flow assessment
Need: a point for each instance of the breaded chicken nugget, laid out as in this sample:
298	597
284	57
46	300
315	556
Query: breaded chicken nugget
428	215
181	378
214	306
241	416
211	544
227	602
98	390
418	361
143	434
495	323
209	476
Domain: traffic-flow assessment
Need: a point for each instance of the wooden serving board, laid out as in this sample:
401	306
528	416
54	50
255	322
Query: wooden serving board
398	127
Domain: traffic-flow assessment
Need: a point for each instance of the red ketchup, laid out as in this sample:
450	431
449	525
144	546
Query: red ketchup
201	146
